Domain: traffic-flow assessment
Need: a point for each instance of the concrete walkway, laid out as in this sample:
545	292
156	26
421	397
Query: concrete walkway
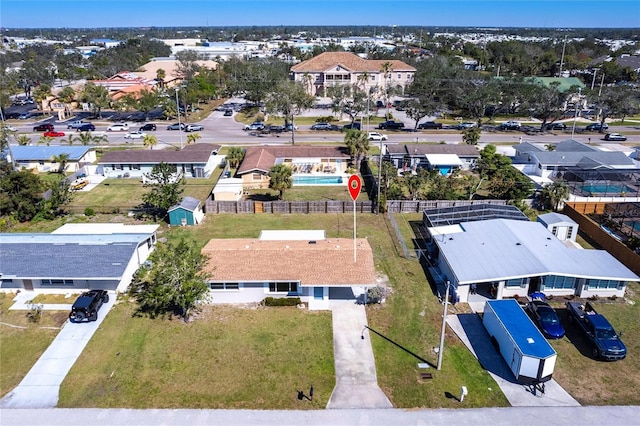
356	379
470	330
40	387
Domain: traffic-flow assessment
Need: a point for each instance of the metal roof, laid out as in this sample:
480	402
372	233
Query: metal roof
502	249
187	203
554	218
457	214
45	153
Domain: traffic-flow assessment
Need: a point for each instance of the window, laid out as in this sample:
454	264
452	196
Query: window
57	282
554	230
399	76
224	286
591	284
256	176
136	167
517	282
569	232
556	281
283	287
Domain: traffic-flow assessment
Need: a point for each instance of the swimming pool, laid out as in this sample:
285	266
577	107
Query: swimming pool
317	180
609	189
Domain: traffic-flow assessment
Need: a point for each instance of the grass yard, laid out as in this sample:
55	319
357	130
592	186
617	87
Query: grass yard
410	317
22	342
55	298
120	195
230	357
594	382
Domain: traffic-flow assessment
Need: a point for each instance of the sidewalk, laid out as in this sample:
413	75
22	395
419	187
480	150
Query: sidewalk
356	379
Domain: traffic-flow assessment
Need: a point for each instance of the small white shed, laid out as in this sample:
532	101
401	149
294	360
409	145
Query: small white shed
560	225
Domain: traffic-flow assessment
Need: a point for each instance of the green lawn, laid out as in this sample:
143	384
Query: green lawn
22	342
229	357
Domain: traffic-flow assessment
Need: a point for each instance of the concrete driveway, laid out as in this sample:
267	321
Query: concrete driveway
470	330
40	387
356	379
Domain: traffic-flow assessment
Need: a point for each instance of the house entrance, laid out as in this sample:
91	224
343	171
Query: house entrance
534	285
318	293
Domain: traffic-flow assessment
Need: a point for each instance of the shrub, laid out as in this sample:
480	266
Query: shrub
35	313
283	301
89	212
326	119
376	294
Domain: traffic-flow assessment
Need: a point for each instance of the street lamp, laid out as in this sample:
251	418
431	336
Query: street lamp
178	111
575	116
444	325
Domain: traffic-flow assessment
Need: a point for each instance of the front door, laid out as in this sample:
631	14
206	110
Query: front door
318	293
28	284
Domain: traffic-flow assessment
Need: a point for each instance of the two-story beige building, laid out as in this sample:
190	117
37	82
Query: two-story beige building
334	68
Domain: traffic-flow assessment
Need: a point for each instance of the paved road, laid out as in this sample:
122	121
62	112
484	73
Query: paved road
561	416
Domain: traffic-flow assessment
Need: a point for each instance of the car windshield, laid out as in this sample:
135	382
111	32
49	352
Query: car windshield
548	317
605	334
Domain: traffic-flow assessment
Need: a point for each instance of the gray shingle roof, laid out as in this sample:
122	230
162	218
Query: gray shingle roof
34	256
187	203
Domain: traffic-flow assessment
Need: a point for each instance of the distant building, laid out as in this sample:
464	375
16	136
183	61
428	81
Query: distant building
335	68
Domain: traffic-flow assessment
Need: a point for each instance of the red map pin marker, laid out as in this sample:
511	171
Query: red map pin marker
355	185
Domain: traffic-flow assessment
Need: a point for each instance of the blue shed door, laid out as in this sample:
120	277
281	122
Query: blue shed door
318	293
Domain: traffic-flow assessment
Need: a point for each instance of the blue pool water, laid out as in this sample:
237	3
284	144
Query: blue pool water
317	180
601	188
634	225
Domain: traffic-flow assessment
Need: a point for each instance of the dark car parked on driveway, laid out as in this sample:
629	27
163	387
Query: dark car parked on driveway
546	318
86	307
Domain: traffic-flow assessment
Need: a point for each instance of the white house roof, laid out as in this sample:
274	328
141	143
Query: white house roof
499	249
555	218
444	160
104	228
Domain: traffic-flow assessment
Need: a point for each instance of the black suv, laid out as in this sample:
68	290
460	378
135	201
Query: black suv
429	125
47	127
391	125
86	307
147	127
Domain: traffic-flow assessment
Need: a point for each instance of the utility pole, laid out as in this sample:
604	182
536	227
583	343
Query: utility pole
562	57
444	325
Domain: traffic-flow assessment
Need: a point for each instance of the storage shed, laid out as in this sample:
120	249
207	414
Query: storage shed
187	212
560	225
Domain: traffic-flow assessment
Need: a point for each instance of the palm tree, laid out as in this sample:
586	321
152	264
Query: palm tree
23	140
358	144
280	178
386	70
235	156
45	140
554	194
160	76
67	96
193	138
150	141
63	159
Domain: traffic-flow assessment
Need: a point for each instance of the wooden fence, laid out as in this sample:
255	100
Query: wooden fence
592	229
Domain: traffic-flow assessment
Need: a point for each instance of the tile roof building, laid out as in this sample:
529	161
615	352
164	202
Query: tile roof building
334	68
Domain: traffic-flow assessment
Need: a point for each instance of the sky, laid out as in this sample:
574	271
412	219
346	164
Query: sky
203	13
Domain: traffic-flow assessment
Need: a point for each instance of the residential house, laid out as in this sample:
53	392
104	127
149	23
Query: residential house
507	257
319	271
75	257
186	212
307	162
41	158
149	71
123	82
443	157
334	68
194	160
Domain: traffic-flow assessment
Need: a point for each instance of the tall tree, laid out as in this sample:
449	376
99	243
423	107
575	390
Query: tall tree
97	96
358	145
280	178
289	99
173	282
20	193
166	186
150	141
62	159
552	195
235	156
